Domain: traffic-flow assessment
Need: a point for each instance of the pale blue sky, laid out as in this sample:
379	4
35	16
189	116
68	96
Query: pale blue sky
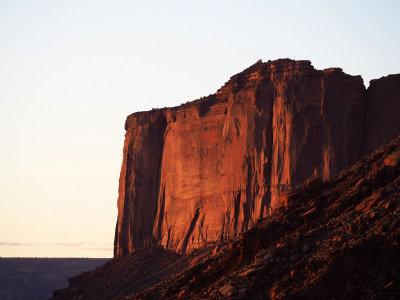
71	71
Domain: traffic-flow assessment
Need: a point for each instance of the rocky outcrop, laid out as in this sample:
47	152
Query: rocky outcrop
333	239
209	169
337	239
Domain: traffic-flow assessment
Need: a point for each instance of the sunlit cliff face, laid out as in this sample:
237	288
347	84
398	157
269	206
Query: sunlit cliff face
209	169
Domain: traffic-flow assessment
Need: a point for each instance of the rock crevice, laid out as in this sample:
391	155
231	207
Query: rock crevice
209	169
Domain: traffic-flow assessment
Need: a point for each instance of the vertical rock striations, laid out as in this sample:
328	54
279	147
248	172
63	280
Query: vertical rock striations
382	112
139	180
209	169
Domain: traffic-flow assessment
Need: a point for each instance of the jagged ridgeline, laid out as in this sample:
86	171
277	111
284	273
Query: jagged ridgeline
209	169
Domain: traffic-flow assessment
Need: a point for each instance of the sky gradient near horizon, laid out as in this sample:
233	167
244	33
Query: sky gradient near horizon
71	71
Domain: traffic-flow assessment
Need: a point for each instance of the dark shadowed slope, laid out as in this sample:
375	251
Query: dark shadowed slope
36	278
126	275
335	239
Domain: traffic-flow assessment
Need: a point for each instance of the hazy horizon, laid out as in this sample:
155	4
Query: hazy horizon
71	72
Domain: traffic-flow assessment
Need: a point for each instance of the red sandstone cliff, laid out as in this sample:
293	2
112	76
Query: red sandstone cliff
337	239
382	112
209	169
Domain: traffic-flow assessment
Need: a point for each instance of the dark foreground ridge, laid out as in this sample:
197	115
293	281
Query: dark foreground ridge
126	275
337	238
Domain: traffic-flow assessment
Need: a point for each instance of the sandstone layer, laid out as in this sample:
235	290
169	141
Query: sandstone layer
337	239
209	169
333	239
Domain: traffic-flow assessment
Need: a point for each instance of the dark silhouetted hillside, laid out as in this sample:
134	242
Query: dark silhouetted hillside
332	239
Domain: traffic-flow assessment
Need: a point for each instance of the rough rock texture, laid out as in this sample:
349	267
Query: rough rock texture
333	239
126	275
209	169
337	239
382	112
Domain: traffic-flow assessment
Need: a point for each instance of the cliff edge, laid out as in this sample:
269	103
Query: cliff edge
207	170
333	239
